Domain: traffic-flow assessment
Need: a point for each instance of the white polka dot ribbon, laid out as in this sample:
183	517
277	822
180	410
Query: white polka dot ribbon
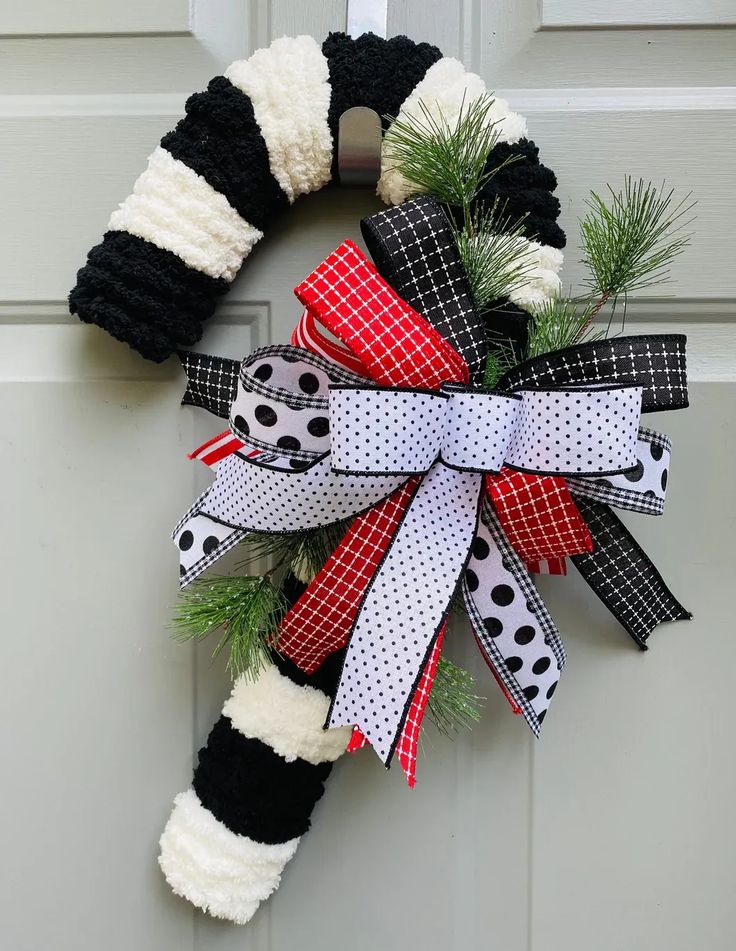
576	431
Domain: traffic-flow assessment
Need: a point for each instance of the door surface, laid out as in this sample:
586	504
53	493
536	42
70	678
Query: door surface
615	831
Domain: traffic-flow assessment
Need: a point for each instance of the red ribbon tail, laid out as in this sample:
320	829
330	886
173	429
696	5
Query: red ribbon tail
321	620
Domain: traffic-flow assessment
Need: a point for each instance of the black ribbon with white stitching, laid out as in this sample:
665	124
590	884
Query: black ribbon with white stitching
618	569
655	362
623	576
414	250
212	382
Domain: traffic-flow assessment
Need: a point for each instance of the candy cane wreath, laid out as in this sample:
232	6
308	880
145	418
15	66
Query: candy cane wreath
260	136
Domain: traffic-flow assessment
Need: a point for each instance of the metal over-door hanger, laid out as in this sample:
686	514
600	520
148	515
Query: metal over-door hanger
359	130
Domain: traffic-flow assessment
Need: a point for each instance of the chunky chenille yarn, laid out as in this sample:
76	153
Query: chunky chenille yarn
248	146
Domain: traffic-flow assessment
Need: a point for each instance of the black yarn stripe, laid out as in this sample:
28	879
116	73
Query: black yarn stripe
245	784
373	72
254	791
143	295
656	362
525	187
219	139
622	575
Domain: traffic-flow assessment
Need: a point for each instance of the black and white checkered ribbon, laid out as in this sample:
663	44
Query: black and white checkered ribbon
414	250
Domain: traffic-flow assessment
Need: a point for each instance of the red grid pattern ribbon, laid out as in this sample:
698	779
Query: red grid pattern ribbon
538	516
320	621
394	343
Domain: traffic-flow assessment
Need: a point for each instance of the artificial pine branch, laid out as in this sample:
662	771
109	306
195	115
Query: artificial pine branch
496	258
246	610
630	241
558	323
303	552
443	159
452	703
499	361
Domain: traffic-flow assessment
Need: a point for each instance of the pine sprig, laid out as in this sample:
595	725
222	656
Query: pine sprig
630	241
499	361
446	159
558	323
496	258
303	552
246	610
452	703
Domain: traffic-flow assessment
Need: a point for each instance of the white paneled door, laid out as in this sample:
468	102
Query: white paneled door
615	831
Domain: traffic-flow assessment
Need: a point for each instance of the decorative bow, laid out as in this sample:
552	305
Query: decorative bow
405	458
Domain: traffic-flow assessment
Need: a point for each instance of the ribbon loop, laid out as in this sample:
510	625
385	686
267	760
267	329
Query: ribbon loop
642	489
656	362
550	432
282	401
415	250
577	431
396	345
265	499
380	430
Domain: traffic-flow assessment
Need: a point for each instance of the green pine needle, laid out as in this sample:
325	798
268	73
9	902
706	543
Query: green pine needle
498	362
496	258
446	160
246	610
559	323
630	241
452	703
303	552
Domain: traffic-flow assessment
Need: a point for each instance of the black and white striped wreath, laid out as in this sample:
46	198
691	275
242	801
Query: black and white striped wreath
256	139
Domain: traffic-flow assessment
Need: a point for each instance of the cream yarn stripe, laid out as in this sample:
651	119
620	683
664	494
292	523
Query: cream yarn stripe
225	874
285	716
176	209
288	85
443	90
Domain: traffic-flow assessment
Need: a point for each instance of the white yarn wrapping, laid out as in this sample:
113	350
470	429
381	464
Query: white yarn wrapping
445	89
225	874
541	282
288	85
286	717
176	209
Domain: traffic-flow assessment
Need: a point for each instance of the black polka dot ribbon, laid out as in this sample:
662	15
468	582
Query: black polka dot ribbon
281	403
582	432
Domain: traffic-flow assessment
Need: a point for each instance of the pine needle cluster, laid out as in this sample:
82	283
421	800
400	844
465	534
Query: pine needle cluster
303	552
452	702
630	241
496	258
449	161
445	159
245	610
